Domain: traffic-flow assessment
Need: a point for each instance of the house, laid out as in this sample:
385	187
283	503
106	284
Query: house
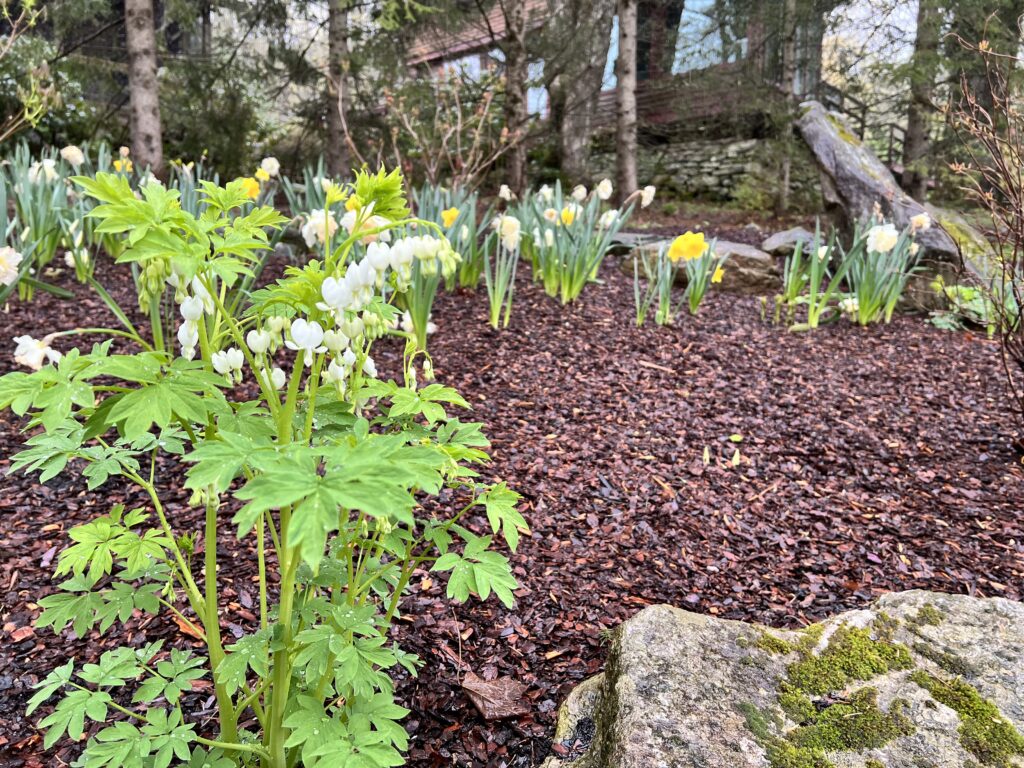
700	70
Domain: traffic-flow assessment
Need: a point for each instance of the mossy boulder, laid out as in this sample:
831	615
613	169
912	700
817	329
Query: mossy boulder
854	180
916	679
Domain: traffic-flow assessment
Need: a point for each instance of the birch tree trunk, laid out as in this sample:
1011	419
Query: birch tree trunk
338	160
626	117
516	73
923	69
143	88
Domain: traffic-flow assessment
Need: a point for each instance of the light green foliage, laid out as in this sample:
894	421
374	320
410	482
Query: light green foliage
466	232
811	279
330	464
660	273
984	732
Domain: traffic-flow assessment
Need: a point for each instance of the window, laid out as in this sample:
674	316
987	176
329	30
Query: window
708	35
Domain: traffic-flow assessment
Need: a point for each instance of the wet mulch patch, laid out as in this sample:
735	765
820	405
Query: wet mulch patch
869	461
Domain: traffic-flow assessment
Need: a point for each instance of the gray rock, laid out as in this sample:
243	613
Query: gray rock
784	243
853	180
748	270
682	690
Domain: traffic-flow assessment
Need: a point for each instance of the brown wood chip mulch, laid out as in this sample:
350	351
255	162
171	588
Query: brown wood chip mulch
870	460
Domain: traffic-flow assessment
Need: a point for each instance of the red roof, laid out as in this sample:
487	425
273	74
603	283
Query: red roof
441	40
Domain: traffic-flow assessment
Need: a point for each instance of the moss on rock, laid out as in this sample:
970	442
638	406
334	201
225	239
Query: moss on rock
772	644
852	654
984	732
855	724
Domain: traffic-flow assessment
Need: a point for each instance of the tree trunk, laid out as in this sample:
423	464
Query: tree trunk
786	84
337	65
923	69
516	73
626	117
576	90
143	88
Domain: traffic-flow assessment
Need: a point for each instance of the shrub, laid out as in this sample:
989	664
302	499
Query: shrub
329	466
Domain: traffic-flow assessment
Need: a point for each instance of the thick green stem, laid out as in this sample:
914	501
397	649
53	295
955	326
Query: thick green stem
211	622
276	733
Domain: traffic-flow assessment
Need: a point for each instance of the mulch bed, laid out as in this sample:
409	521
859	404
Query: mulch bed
870	461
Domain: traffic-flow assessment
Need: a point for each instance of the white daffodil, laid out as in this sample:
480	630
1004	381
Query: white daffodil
549	238
822	253
545	193
914	248
306	337
505	193
9	261
278	378
188	337
604	189
270	165
920	222
882	238
258	341
849	305
579	193
551	215
647	195
319	226
72	155
44	170
32	353
510	231
608	218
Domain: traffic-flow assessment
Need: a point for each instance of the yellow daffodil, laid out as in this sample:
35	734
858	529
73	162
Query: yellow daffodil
251	187
262	175
687	247
123	166
568	216
449	216
717	277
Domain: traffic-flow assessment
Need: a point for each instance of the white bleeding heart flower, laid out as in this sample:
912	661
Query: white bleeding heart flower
191	309
335	341
278	378
188	337
369	367
306	337
258	341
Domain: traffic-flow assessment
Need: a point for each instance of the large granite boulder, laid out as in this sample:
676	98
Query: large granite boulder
918	679
748	270
785	242
853	180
